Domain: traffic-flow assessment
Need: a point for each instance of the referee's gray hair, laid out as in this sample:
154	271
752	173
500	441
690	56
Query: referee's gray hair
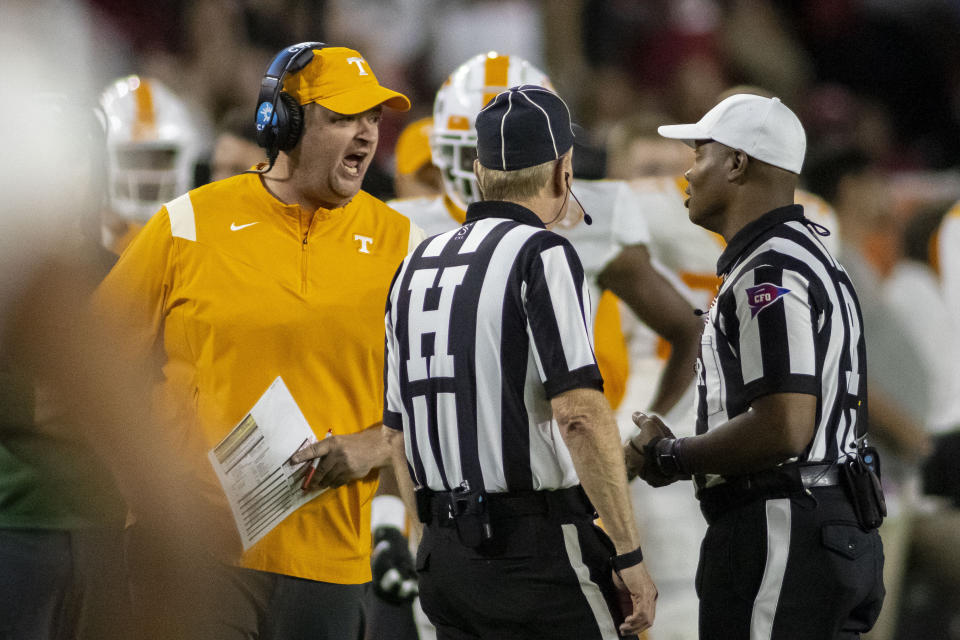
519	184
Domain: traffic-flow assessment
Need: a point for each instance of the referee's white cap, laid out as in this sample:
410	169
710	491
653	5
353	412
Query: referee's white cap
763	128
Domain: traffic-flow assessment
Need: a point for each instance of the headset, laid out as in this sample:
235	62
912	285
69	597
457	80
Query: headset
279	117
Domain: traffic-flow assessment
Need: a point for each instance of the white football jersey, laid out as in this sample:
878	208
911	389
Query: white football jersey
430	213
690	251
617	223
948	251
687	255
612	205
914	294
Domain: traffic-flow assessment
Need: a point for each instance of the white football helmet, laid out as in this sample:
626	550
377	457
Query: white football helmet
453	142
153	146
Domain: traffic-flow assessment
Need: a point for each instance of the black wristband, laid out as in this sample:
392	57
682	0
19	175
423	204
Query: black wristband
678	456
627	560
664	458
668	459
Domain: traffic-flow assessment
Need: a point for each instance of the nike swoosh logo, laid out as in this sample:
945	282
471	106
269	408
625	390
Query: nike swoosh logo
236	227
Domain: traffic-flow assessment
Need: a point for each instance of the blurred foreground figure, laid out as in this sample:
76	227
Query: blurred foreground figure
76	442
61	514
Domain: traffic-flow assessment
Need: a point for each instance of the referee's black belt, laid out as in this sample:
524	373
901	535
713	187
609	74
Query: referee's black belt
781	482
444	507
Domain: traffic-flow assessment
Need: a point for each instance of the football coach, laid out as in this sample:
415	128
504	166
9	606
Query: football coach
494	403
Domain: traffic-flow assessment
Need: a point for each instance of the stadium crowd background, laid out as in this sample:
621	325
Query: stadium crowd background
881	77
878	74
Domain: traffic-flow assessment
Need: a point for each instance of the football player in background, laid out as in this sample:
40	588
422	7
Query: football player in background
153	144
914	293
948	239
415	176
612	248
235	148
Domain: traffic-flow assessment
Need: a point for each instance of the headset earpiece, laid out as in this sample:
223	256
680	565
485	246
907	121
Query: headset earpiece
279	118
293	116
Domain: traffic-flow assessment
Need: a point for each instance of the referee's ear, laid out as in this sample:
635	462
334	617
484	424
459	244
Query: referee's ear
739	163
562	172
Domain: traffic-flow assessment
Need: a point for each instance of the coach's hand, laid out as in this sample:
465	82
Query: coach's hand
636	582
343	459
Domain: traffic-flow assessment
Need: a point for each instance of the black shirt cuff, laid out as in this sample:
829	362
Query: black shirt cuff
587	377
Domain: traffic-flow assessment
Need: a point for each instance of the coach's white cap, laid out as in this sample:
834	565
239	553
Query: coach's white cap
763	128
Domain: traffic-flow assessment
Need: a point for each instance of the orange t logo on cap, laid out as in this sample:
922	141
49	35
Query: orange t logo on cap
359	62
327	82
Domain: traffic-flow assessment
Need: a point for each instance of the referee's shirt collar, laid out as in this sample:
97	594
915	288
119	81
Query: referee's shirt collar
745	238
501	209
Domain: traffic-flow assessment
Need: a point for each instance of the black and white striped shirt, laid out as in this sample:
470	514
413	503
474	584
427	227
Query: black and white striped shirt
786	320
485	324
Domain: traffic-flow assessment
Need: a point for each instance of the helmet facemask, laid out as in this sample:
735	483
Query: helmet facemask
145	176
454	153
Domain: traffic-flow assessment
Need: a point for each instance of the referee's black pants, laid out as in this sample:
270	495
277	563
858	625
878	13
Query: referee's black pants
797	567
540	576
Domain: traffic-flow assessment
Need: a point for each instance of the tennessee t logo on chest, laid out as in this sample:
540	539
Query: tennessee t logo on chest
762	296
365	242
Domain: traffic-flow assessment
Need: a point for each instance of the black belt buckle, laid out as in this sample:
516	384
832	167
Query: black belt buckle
470	512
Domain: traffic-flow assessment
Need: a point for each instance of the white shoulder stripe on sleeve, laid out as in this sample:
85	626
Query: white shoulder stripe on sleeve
182	223
417	235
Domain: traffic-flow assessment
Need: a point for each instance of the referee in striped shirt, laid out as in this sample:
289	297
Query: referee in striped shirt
494	403
780	461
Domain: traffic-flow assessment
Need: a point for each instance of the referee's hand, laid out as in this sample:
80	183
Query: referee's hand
643	595
651	428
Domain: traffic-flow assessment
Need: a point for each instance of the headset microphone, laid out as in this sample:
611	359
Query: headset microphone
586	216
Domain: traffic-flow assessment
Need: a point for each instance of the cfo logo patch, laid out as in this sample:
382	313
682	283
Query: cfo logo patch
762	296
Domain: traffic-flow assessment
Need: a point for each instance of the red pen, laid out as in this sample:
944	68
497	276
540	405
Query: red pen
313	467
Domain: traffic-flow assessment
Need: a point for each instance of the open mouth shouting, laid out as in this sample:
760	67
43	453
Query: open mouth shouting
353	162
